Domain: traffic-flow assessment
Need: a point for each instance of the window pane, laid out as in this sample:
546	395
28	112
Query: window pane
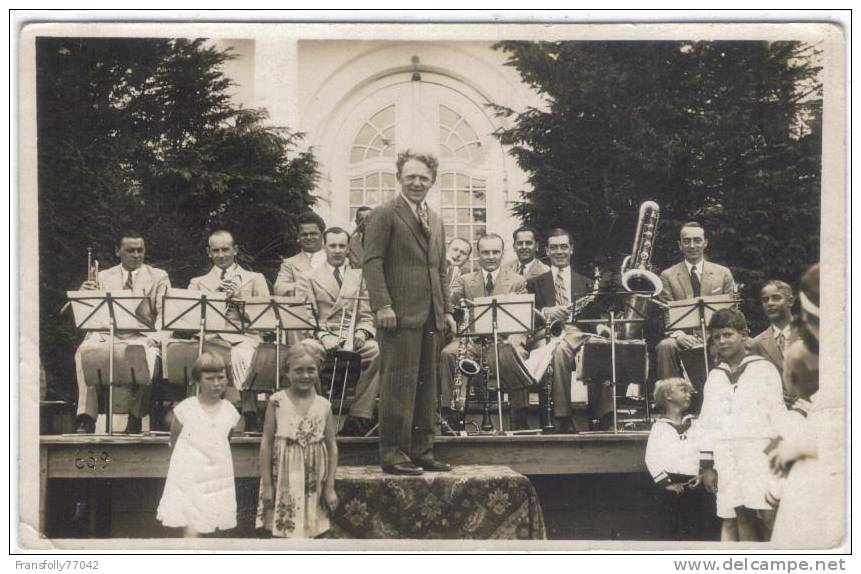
449	232
447	117
447	181
356	197
463	216
462	181
389	180
478	196
462	197
446	197
448	216
372	180
463	232
357	154
479	215
384	117
477	151
477	231
366	134
389	194
373	196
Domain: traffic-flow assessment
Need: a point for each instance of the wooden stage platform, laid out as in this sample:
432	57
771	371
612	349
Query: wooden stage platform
87	457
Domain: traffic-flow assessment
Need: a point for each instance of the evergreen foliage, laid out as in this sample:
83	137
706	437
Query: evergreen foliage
142	134
725	133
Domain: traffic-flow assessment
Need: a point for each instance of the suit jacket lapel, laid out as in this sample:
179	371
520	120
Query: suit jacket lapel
405	212
706	285
349	288
684	279
771	348
503	282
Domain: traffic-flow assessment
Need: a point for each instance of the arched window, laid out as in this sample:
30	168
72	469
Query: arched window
374	141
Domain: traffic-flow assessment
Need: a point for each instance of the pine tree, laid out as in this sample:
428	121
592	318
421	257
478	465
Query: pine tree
725	133
142	134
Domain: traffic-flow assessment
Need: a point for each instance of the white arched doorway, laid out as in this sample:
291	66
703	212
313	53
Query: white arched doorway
434	113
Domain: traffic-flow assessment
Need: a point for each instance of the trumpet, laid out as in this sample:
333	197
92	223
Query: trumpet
92	268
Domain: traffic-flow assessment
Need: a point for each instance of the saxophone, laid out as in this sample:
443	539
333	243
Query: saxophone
465	366
636	275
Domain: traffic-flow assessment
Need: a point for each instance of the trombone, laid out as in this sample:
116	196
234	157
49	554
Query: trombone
345	350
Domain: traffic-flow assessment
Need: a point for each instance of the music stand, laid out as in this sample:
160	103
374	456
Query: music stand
696	313
617	302
279	314
109	311
500	315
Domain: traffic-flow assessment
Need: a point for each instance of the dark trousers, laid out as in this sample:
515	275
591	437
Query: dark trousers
408	393
688	516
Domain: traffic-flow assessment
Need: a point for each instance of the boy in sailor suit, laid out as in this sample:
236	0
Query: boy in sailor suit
742	408
672	457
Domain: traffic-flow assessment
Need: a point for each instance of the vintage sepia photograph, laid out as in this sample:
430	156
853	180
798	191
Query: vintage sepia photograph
450	286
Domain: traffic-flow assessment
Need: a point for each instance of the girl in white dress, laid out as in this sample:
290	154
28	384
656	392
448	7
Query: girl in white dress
200	494
298	453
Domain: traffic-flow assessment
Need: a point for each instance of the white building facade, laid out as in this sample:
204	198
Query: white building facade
359	103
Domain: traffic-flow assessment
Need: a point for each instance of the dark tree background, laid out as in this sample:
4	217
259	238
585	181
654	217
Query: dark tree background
141	133
725	133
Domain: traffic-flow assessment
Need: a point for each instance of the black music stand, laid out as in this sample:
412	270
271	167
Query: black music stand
616	304
190	310
279	314
109	311
695	313
503	319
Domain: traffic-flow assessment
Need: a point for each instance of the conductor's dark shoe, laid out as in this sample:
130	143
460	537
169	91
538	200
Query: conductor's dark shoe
134	425
84	424
355	426
403	468
564	425
250	422
433	465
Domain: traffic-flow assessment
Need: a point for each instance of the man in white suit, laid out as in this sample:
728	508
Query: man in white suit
693	277
310	231
227	276
527	263
141	279
332	289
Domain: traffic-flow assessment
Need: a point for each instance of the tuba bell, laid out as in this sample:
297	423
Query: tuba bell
636	275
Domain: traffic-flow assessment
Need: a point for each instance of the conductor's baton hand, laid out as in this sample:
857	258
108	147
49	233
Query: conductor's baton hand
89	286
450	325
386	319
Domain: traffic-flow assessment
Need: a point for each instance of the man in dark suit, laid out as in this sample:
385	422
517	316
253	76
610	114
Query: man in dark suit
491	279
556	291
356	252
693	277
405	271
777	299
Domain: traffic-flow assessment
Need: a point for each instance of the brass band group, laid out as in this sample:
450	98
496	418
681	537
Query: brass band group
390	299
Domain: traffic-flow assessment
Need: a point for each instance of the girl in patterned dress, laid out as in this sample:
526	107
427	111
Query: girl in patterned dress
298	453
200	494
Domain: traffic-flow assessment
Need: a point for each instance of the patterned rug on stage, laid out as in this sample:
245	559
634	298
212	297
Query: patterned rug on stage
470	502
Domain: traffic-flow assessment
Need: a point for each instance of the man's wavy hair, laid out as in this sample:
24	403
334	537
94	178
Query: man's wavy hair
424	157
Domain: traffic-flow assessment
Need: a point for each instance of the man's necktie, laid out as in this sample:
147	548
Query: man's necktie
522	268
488	285
129	281
223	273
424	219
338	277
695	281
561	294
781	342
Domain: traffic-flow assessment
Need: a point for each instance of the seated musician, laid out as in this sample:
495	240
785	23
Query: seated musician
693	277
356	252
456	255
132	274
490	280
310	228
226	276
331	288
777	299
527	263
556	291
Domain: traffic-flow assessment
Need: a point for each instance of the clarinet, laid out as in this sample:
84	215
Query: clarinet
486	423
547	391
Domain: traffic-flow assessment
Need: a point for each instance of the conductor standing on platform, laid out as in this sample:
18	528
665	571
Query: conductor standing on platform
405	271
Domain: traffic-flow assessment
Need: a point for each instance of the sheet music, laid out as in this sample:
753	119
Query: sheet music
683	314
182	311
295	313
92	312
515	317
